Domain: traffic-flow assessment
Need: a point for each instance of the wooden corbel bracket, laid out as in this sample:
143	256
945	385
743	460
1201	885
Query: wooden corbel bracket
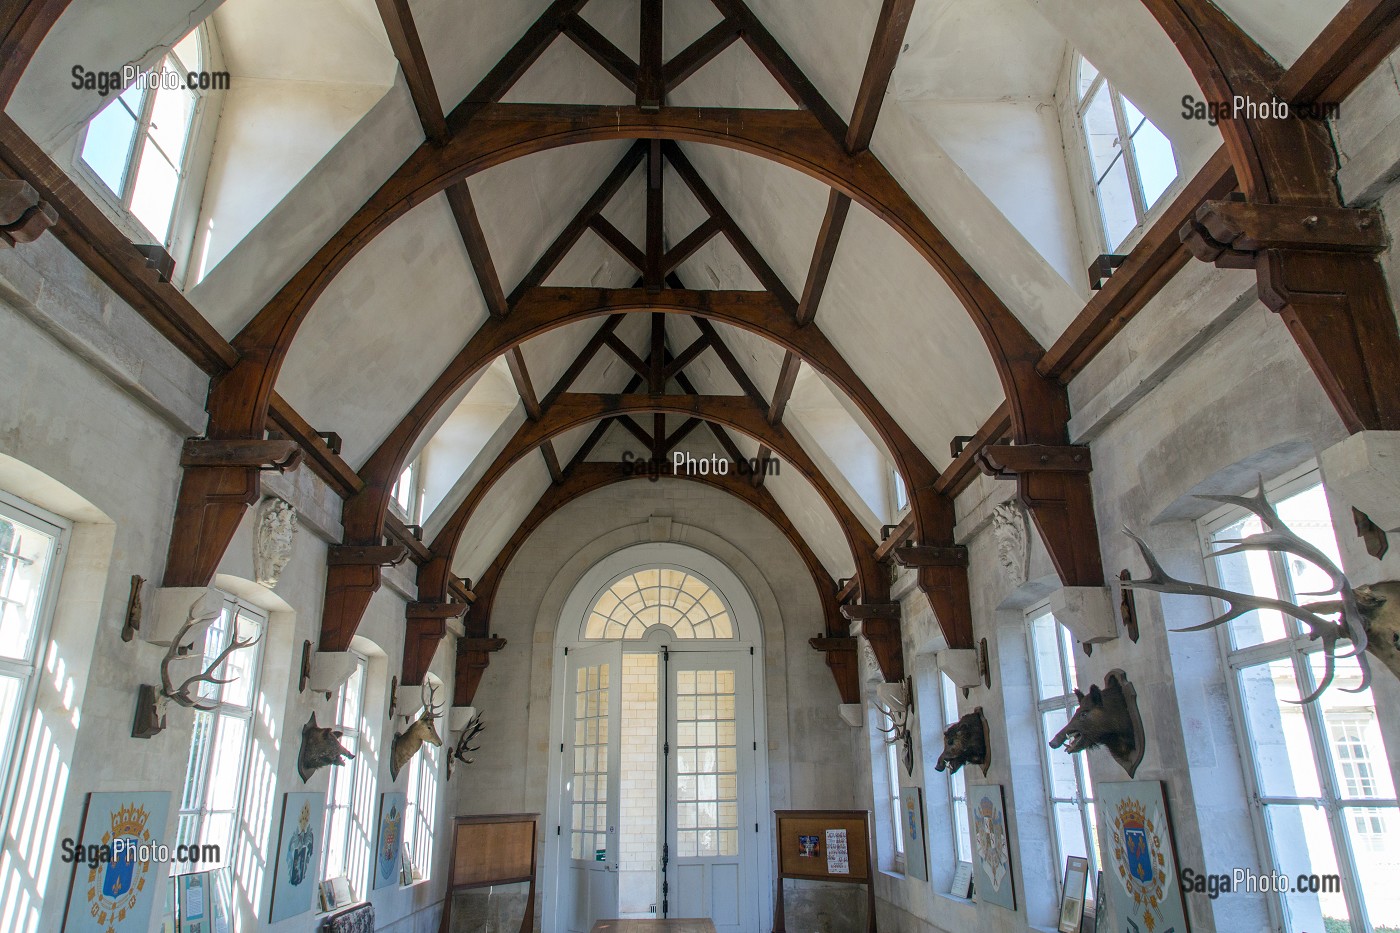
1006	461
931	555
1233	229
844	663
23	215
266	454
435	610
473	657
378	555
859	612
420	644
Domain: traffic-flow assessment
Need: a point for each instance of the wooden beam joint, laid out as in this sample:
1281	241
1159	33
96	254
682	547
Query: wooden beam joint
1006	461
380	555
267	454
928	555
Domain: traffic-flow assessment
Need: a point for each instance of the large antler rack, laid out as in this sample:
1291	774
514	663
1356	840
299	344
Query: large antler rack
1279	538
201	614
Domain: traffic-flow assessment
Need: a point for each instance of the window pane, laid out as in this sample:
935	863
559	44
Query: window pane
190	52
171	116
1155	159
1045	642
1101	131
11	689
153	197
1307	515
1116	203
110	134
1303	846
1087	74
227	766
1354	737
1371	833
1062	777
1069	828
25	553
1250	572
1278	730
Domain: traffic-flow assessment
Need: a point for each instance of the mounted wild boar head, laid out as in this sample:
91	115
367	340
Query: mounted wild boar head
1107	717
408	742
965	742
320	746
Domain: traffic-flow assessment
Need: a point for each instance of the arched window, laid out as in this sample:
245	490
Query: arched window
1131	162
680	600
136	145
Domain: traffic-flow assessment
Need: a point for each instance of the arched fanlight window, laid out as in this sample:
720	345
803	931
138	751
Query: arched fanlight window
681	601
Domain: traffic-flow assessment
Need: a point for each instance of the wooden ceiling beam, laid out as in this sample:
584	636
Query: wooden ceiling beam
731	363
1349	48
838	207
654	275
592	208
459	199
23	25
616	239
879	67
524	53
687	356
678	254
643	436
700	53
728	225
781	66
584	357
625	353
651	79
408	49
614	61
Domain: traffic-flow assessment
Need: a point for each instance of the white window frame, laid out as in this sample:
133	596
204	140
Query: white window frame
1141	208
413	513
121	200
1083	800
1295	647
201	811
12	746
956	780
899	493
420	809
890	754
352	738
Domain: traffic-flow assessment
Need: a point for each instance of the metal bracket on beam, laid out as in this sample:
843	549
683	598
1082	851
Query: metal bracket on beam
930	555
1005	461
859	612
380	555
266	454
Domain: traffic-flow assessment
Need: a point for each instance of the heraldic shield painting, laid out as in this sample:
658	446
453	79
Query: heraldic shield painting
1140	862
991	882
117	893
298	854
388	848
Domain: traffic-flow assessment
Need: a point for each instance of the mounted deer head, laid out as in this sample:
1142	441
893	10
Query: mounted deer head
965	742
471	730
1107	717
1368	616
901	706
408	742
320	746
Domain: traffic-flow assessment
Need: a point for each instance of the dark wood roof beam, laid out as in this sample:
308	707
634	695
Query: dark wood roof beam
679	434
459	198
574	229
879	66
656	362
515	360
636	430
653	274
687	247
838	207
700	53
651	79
585	356
614	61
787	379
408	49
624	353
527	49
687	356
616	239
746	385
1349	48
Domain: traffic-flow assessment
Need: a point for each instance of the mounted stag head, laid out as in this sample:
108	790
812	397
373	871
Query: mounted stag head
408	742
471	730
151	702
1107	717
966	742
320	746
1369	616
900	700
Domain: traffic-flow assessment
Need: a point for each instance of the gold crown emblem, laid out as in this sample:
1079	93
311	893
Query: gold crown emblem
1133	811
130	821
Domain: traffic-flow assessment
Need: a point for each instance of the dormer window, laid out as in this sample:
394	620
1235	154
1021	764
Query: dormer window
137	144
1131	162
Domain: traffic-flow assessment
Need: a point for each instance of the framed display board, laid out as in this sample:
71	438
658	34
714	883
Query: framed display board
491	850
824	845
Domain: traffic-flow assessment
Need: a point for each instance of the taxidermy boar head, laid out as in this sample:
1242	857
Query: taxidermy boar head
408	742
319	747
1107	717
965	742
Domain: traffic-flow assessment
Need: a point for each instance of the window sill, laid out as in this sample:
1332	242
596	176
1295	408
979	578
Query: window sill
960	901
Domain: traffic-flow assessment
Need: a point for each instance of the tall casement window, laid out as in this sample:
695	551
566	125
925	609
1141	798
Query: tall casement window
347	829
212	798
136	145
957	784
423	771
1320	784
1131	162
1068	789
893	769
407	494
31	545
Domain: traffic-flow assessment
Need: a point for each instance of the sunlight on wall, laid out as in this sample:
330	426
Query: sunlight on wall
33	833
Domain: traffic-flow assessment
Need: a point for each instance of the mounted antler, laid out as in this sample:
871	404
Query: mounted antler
202	613
901	705
407	743
471	730
1362	609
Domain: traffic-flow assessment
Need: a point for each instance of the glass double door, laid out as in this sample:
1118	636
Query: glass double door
659	814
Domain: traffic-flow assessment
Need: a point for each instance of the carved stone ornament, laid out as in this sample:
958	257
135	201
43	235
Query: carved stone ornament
272	547
1010	533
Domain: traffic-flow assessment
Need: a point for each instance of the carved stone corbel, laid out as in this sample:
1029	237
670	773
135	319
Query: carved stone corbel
1364	472
1087	611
